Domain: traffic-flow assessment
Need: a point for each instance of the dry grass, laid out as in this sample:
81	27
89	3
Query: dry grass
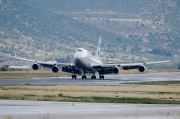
49	73
142	91
31	74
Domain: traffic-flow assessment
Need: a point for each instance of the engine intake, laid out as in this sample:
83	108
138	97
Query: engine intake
55	69
35	66
141	68
116	70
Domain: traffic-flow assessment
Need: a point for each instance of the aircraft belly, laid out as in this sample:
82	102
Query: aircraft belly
83	64
80	63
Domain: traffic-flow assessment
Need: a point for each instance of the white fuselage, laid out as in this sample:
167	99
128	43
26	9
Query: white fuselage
84	60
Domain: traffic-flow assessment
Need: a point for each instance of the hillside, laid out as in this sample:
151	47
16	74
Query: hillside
28	31
46	30
154	10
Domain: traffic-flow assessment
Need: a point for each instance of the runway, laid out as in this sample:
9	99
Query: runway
18	109
109	79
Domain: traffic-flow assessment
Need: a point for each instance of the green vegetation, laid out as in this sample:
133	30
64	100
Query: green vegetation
89	99
146	94
156	83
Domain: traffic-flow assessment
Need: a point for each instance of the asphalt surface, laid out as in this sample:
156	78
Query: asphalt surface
109	79
18	109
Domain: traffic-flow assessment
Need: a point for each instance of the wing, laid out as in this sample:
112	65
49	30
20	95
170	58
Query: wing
46	64
19	67
128	66
137	65
4	67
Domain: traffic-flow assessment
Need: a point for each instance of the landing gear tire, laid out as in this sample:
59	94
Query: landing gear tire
73	76
101	77
93	77
84	77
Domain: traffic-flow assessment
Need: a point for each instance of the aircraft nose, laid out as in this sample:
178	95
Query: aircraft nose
77	62
80	53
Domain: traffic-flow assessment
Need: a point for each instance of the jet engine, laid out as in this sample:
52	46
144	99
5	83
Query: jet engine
35	66
71	70
115	70
55	69
142	68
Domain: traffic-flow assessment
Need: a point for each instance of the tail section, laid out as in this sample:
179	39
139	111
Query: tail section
99	48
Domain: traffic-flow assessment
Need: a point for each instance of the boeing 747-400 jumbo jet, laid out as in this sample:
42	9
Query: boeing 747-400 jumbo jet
85	63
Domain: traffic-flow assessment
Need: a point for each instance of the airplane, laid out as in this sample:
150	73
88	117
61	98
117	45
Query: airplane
86	63
25	67
6	67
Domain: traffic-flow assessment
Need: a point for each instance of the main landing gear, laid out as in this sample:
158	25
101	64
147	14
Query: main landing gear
101	76
73	76
93	77
84	77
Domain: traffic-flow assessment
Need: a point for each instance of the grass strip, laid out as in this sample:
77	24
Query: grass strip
89	99
156	83
31	74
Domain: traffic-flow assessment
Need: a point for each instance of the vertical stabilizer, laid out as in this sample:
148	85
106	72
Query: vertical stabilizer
98	48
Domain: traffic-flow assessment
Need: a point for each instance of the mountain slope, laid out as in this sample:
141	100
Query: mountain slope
155	37
40	31
30	31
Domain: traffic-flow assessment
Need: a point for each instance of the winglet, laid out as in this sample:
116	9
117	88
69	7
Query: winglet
99	48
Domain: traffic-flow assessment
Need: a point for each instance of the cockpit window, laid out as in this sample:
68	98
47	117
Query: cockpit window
79	50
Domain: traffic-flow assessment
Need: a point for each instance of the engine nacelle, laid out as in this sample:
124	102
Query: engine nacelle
142	68
115	70
55	69
35	66
70	70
